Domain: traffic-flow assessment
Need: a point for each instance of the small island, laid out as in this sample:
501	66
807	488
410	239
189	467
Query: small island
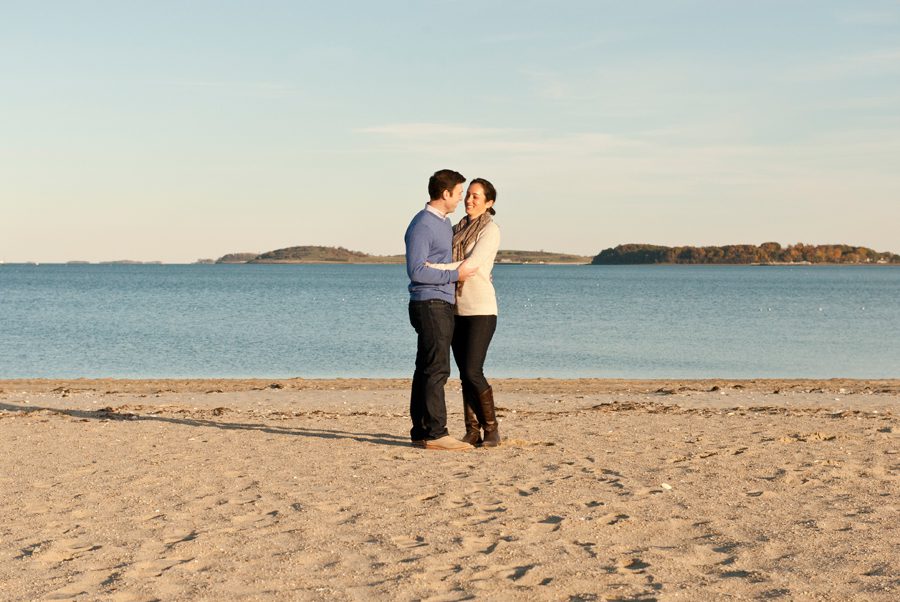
322	254
770	253
541	257
129	262
310	254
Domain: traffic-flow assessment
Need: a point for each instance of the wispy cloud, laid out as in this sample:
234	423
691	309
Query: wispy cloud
665	163
883	16
878	59
873	63
238	87
866	103
549	85
432	130
445	137
618	88
512	37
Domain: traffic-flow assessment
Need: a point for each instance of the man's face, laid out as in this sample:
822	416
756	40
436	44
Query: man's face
452	199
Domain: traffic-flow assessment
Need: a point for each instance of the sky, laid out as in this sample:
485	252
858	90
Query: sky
173	131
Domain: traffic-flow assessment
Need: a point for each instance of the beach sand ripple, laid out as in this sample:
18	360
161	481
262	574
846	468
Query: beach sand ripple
603	490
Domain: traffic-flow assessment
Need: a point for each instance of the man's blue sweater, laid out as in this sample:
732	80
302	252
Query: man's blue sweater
430	238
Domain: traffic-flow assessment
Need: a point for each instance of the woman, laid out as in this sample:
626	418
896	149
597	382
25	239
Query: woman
476	239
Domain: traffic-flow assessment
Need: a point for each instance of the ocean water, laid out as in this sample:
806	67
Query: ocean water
311	321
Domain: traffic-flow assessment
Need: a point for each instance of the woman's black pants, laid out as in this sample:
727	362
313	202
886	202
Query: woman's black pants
471	337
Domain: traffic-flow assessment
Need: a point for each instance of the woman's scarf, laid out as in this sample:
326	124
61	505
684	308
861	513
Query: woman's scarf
466	232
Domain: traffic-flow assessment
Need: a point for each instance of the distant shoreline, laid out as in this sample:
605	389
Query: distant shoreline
767	254
657	386
499	263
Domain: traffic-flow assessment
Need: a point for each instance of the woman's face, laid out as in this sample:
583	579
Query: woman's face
475	201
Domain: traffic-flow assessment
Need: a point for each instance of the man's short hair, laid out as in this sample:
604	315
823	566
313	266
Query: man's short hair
444	179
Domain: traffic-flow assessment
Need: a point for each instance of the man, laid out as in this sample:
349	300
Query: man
432	294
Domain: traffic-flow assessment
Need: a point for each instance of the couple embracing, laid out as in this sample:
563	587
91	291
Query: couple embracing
452	306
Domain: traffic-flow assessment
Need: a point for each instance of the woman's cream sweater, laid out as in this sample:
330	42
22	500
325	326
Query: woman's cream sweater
476	296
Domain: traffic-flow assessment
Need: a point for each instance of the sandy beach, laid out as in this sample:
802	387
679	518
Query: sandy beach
309	490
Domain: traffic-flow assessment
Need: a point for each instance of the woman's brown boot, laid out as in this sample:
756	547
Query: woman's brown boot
473	430
489	422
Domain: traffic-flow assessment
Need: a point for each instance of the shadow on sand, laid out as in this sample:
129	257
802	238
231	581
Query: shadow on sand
108	414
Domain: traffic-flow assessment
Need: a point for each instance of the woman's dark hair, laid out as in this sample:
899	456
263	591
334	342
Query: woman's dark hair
490	193
444	179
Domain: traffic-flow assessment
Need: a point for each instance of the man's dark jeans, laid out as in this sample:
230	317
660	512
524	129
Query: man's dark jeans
433	321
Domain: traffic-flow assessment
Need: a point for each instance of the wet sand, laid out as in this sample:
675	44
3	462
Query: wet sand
308	490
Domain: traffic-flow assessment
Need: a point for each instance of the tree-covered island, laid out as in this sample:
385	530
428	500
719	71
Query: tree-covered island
320	254
310	254
770	253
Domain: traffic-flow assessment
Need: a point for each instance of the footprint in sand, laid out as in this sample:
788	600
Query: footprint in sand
712	552
86	585
146	569
494	507
613	479
408	543
519	572
633	565
62	550
551	524
649	491
460	502
492	547
588	547
475	544
258	519
779	473
33	549
614	519
522	575
750	576
177	538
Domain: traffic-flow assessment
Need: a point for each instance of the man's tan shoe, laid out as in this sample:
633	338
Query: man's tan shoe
446	443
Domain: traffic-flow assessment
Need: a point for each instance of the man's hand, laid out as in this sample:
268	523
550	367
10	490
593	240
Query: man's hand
465	270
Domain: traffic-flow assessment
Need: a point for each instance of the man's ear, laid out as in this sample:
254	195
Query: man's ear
446	195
